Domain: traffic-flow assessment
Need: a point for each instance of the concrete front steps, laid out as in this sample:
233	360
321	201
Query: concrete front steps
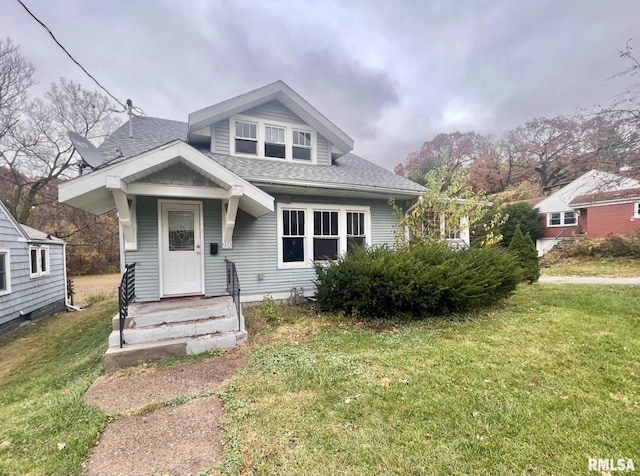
161	330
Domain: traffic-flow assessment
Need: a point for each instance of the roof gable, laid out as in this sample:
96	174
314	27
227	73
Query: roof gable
5	211
594	181
28	233
287	97
89	192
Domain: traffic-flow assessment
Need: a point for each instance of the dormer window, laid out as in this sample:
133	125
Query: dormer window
301	145
270	139
247	138
274	143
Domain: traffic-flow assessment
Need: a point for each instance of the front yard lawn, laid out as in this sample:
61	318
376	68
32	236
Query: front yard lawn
537	386
45	429
552	265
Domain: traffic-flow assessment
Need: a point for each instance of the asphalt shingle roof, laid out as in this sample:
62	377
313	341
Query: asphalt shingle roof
349	170
148	133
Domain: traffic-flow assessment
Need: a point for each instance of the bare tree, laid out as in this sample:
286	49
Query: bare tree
16	77
548	148
34	146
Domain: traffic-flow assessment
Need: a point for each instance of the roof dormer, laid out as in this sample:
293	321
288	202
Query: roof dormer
272	122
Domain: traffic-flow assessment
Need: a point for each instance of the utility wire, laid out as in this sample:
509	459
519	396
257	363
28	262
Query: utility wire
69	54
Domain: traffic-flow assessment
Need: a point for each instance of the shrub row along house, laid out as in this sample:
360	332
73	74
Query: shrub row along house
594	205
32	273
262	180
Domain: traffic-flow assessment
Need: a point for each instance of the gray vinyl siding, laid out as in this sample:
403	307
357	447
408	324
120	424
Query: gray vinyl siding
324	151
146	256
178	174
254	248
34	297
214	266
273	111
221	137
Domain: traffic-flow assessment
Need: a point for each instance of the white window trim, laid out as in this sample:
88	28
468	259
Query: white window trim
636	210
309	208
7	263
288	138
562	219
39	271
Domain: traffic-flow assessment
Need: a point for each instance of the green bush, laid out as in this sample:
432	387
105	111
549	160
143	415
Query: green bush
420	280
525	253
521	214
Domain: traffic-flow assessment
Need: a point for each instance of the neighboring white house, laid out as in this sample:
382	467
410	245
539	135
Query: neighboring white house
263	180
564	218
32	273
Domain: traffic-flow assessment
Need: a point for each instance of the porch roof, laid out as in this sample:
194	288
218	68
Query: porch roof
93	192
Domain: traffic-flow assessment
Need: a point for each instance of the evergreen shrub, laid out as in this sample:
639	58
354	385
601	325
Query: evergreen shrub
526	255
424	279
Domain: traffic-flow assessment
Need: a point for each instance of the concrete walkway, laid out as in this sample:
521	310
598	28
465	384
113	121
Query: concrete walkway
589	280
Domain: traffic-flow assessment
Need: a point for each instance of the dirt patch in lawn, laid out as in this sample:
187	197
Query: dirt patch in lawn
175	437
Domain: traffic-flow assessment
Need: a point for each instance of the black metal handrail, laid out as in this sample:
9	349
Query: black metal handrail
233	287
126	295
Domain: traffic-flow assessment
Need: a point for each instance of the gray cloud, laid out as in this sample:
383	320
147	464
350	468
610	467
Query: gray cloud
391	74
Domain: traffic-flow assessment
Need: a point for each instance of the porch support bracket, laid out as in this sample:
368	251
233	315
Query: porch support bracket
229	213
126	211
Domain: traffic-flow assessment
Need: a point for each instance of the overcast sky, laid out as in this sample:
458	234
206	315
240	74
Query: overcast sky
392	74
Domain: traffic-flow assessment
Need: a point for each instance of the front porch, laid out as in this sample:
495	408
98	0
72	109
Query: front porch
155	331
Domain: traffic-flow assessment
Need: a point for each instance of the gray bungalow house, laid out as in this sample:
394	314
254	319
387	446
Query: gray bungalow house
32	273
262	180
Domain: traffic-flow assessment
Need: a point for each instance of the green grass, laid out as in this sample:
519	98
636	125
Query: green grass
554	265
44	373
536	386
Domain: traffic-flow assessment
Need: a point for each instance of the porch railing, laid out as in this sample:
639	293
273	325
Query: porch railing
126	295
233	287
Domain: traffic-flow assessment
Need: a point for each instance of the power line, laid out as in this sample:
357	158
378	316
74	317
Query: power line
69	54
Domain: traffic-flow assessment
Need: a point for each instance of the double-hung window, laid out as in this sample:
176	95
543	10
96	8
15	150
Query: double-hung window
636	210
39	261
301	145
274	143
5	275
562	218
246	137
272	139
308	233
326	241
356	234
293	232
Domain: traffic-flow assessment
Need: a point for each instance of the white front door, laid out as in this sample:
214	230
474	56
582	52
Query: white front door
181	248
